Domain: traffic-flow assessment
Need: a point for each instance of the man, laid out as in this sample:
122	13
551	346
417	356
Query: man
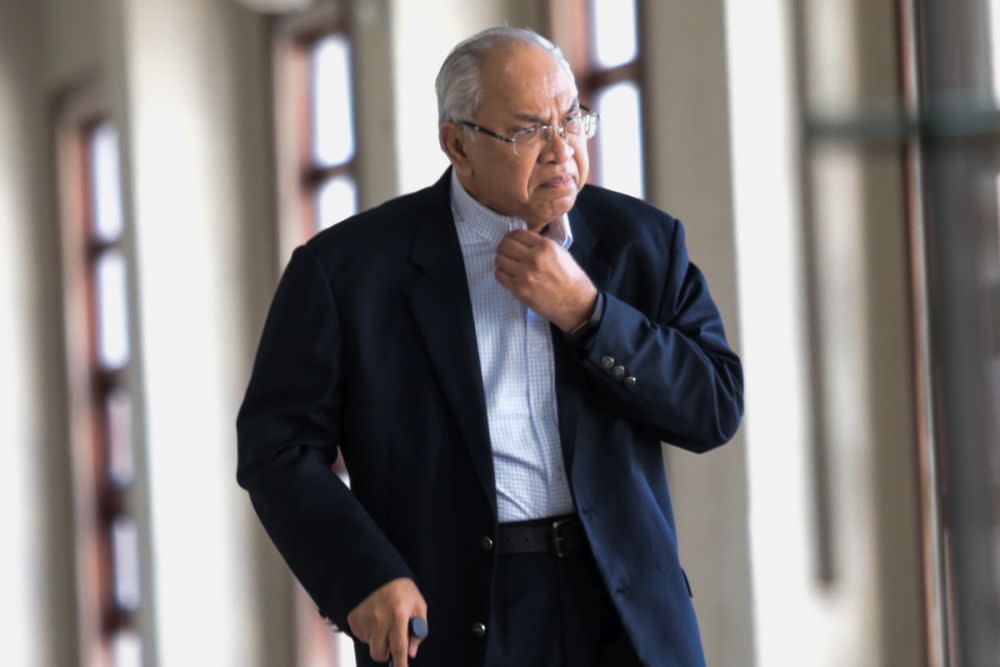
498	358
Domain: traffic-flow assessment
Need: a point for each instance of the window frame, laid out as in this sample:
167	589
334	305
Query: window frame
97	499
299	175
569	25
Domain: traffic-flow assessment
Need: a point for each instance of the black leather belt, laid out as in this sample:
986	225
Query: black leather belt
561	536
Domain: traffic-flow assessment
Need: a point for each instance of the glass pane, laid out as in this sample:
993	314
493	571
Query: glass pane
112	310
118	409
336	199
126	649
125	544
615	34
105	186
619	142
333	122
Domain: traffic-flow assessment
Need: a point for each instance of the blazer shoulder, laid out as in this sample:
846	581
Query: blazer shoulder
388	218
377	236
626	219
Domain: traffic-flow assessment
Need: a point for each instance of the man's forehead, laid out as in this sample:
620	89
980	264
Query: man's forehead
526	80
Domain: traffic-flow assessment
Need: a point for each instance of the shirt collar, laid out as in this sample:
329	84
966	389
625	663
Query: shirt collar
493	226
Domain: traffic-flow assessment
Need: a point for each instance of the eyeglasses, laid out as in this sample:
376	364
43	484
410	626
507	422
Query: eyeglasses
582	122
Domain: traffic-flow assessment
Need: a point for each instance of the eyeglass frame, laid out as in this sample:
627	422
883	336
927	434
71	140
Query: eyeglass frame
551	130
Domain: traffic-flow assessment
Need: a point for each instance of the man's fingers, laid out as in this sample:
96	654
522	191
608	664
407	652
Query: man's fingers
399	641
378	647
526	237
382	620
514	250
506	264
414	643
519	244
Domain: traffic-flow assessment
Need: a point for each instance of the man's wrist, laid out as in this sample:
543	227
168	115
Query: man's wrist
585	329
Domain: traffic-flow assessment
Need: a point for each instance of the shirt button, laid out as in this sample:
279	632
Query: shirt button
486	543
607	363
618	371
479	630
630	381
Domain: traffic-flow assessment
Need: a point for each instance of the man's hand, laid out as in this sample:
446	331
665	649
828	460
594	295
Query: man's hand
545	278
382	621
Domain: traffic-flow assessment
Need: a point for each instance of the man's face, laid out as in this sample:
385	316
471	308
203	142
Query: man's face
522	85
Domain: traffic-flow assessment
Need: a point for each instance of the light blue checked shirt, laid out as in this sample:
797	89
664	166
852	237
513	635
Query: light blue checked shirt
518	369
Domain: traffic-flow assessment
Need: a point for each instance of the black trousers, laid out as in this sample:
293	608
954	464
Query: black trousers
554	612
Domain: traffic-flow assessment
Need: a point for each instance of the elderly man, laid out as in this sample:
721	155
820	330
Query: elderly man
498	358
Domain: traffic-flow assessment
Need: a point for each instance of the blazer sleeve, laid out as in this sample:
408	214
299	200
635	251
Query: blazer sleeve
287	431
674	373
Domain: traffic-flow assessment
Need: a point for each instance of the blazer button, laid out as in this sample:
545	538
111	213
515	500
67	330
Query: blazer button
486	543
630	381
607	363
479	630
618	372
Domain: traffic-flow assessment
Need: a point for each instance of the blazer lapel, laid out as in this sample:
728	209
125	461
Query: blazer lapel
439	298
570	376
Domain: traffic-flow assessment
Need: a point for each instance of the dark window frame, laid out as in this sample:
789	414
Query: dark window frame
592	78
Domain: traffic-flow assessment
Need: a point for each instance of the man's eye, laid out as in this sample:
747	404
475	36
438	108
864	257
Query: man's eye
527	134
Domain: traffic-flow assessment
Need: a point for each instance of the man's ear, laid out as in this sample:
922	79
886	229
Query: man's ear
453	140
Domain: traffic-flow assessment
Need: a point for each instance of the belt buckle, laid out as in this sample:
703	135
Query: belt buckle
558	539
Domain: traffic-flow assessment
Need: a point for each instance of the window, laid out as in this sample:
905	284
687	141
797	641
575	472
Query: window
317	149
944	131
329	177
316	123
101	448
601	41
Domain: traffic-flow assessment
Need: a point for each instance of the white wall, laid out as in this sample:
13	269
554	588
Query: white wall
21	611
199	214
422	35
35	571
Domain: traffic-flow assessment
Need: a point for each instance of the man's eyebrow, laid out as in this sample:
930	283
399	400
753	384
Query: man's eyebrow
531	118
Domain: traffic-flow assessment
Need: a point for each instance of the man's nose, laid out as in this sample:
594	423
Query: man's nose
557	146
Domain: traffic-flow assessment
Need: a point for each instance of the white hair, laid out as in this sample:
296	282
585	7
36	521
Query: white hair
458	90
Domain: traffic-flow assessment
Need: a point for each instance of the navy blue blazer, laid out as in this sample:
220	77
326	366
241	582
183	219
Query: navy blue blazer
370	346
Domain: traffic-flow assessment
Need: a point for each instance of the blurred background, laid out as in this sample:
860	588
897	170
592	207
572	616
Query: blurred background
835	163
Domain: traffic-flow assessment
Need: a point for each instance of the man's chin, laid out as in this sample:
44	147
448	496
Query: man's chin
562	204
553	210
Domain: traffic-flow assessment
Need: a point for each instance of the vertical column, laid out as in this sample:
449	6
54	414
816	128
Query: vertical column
36	608
689	174
196	139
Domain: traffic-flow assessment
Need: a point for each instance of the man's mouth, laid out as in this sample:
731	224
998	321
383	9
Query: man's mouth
564	181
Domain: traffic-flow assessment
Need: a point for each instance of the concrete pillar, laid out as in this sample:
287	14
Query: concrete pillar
196	138
688	152
36	608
